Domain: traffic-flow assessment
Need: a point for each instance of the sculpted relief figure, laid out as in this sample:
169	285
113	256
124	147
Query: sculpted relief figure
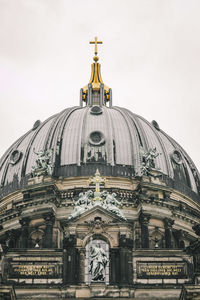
98	262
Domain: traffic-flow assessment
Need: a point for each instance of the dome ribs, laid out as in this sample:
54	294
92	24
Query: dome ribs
140	136
52	139
81	135
67	134
60	130
71	135
52	129
121	138
131	134
110	146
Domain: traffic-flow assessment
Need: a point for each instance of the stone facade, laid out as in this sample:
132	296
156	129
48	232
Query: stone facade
152	253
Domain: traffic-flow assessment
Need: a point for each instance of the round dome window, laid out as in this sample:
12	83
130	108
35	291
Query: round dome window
96	138
36	124
177	157
96	110
155	124
15	156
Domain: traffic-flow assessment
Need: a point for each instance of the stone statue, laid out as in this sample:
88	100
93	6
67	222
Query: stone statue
91	199
82	204
112	204
94	153
98	262
148	160
86	202
44	164
149	157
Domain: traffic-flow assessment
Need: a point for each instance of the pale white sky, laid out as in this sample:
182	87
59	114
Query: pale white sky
150	57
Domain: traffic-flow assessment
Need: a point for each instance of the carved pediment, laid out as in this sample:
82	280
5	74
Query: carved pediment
96	222
89	200
97	212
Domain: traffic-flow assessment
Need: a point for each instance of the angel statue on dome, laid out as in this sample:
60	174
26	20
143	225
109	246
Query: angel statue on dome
44	164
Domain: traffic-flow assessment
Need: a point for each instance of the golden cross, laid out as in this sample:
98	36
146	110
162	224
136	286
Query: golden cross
95	42
97	180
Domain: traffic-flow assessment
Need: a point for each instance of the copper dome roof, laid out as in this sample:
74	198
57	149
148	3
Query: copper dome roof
110	138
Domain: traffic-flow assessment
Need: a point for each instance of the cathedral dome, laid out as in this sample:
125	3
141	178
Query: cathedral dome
98	202
112	139
94	135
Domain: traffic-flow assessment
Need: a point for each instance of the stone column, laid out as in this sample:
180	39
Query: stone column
81	278
144	221
125	260
168	232
114	266
49	221
70	261
24	232
12	238
65	266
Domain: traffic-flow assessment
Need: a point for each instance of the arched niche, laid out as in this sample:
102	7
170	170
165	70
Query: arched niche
36	238
97	260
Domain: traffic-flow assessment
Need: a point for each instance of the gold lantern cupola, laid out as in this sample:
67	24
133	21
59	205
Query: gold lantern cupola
96	92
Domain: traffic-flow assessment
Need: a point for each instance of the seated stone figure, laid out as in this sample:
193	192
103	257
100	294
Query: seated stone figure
112	204
82	204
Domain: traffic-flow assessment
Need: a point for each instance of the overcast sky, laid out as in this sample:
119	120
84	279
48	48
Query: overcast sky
150	57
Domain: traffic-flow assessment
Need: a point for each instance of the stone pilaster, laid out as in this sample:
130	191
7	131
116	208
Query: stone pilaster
168	232
114	266
144	221
49	221
12	237
81	278
70	261
125	259
24	232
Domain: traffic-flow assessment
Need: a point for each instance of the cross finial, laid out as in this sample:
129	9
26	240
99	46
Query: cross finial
97	180
95	47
